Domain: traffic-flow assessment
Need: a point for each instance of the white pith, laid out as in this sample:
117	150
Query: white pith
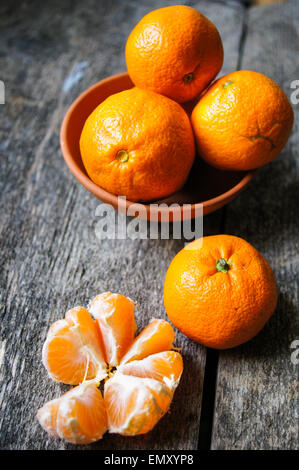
44	418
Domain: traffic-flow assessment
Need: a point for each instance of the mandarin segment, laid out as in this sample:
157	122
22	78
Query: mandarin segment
82	416
73	350
138	144
134	405
166	367
219	291
156	337
114	314
231	139
136	394
175	51
79	416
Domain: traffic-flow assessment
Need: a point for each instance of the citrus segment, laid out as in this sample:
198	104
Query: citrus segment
72	350
166	367
156	337
134	405
114	314
79	416
137	393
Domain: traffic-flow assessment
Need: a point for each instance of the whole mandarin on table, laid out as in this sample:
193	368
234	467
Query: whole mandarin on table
242	122
175	51
220	291
138	144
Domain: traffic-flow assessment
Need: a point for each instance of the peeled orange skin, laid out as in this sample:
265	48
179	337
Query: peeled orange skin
175	51
79	416
242	122
219	309
138	144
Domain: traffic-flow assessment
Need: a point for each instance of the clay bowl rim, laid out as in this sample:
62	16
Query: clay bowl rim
123	205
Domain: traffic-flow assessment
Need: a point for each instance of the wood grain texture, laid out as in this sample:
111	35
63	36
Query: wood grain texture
51	259
257	389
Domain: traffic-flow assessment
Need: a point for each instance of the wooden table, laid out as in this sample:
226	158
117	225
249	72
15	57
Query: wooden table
51	260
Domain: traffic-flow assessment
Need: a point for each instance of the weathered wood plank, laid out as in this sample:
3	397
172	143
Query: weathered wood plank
256	401
51	258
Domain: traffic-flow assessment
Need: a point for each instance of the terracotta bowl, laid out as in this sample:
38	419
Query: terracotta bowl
205	186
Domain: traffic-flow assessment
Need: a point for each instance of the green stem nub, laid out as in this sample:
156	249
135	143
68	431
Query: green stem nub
122	156
222	265
188	77
229	82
